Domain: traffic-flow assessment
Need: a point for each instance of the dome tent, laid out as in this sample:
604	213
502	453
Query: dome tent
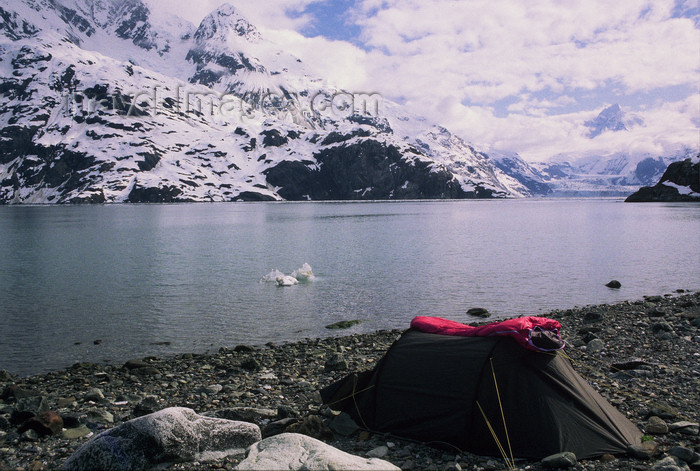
447	390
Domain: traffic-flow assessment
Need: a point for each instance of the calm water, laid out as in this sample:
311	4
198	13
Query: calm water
135	275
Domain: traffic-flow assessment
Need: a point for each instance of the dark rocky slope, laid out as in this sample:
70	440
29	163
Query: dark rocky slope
366	170
685	174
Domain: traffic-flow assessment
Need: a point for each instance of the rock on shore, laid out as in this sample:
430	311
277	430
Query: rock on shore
643	356
284	450
170	435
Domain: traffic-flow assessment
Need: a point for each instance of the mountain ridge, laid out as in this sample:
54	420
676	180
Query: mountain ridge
89	117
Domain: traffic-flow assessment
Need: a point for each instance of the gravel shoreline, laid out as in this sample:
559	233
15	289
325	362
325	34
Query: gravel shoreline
654	343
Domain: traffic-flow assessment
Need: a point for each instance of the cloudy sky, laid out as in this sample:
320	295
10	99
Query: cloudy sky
508	74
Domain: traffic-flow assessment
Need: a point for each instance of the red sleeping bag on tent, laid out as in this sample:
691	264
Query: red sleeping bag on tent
533	333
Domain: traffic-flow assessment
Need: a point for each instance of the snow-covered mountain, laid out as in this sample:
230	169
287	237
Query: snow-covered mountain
610	174
588	176
617	174
106	101
612	118
526	174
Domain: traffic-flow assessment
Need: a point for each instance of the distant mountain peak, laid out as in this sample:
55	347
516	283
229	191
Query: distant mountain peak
612	118
224	20
222	52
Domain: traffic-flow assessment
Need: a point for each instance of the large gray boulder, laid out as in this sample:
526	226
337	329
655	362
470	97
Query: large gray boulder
170	435
293	451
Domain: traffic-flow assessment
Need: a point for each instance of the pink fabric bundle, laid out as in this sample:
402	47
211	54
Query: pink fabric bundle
533	333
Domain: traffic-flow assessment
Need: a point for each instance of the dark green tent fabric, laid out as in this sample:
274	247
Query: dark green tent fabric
427	388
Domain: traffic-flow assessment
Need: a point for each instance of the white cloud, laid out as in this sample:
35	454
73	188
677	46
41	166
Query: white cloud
533	106
666	128
277	14
187	9
530	47
339	62
454	62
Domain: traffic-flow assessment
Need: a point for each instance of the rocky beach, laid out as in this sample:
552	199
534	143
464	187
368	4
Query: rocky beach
643	356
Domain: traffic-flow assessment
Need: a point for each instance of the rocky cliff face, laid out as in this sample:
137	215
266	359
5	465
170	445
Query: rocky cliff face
104	101
680	182
367	170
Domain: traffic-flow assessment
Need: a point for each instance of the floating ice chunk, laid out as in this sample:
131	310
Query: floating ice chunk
286	280
304	273
272	276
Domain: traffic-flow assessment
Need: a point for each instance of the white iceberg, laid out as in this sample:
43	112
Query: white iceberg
303	274
286	280
272	276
